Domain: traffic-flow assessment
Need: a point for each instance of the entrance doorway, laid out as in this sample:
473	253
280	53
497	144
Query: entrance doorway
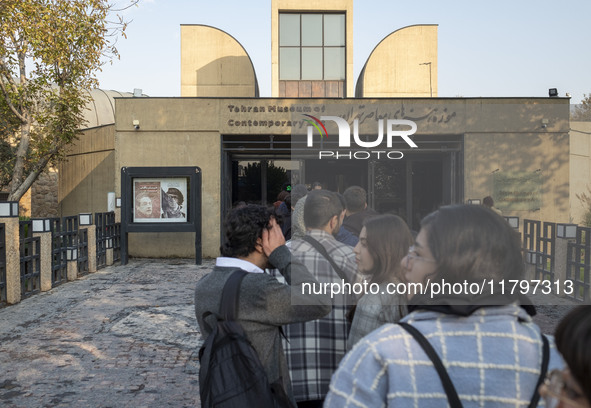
255	180
411	188
336	175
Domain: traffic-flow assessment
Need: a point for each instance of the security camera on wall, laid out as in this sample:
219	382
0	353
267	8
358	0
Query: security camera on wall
136	124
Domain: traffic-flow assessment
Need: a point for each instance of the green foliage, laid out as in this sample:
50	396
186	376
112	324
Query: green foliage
50	51
586	201
583	112
251	182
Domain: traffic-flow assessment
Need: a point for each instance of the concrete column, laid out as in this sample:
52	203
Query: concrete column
530	271
72	270
560	259
109	256
13	260
46	256
91	248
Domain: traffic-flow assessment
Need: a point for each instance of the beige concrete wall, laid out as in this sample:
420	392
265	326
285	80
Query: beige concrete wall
500	133
173	132
307	6
517	143
214	64
580	168
88	173
394	67
25	204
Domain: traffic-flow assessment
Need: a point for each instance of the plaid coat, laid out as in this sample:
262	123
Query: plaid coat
493	358
315	348
375	310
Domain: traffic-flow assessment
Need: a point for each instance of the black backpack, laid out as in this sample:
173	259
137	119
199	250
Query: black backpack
230	372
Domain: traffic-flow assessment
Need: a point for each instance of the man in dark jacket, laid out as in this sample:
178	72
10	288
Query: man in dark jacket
253	242
357	209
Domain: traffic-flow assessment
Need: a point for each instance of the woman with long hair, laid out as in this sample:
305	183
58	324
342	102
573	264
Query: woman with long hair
465	341
383	242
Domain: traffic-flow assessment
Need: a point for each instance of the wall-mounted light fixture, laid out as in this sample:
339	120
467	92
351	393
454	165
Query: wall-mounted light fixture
566	230
552	92
513	222
41	224
9	209
85	219
72	253
532	257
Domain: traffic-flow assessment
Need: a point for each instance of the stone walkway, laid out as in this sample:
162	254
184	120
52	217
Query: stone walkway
125	336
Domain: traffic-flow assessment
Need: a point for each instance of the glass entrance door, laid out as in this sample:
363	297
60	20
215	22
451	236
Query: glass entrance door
414	187
259	181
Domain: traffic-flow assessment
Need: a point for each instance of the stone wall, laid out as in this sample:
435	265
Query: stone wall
44	195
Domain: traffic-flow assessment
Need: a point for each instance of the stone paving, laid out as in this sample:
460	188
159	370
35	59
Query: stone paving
125	336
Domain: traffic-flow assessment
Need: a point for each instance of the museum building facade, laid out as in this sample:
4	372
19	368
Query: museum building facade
388	132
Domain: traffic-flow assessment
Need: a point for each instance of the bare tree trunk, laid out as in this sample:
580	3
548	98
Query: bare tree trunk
21	189
19	164
16	194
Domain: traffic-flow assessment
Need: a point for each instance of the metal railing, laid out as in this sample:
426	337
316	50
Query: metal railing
59	248
2	265
578	263
546	248
68	242
30	260
82	260
102	235
531	235
117	242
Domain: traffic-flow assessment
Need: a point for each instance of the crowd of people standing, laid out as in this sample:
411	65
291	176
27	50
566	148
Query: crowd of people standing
385	347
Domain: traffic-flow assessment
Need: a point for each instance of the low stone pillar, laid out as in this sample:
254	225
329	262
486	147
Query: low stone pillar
91	248
46	256
109	256
13	259
530	271
72	270
560	261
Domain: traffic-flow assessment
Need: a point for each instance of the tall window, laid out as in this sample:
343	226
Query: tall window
311	46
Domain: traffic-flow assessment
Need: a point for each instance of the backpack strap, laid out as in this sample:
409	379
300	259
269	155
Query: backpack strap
450	390
231	295
320	248
229	300
452	395
545	359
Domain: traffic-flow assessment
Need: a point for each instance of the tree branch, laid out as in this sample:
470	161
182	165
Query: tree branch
9	102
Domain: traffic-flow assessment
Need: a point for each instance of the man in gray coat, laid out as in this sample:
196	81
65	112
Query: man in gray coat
253	242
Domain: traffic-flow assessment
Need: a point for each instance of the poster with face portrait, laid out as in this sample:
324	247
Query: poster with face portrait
160	200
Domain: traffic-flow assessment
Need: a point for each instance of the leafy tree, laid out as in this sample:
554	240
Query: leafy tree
50	51
583	112
585	199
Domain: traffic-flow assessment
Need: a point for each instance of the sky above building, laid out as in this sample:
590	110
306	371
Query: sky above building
501	48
